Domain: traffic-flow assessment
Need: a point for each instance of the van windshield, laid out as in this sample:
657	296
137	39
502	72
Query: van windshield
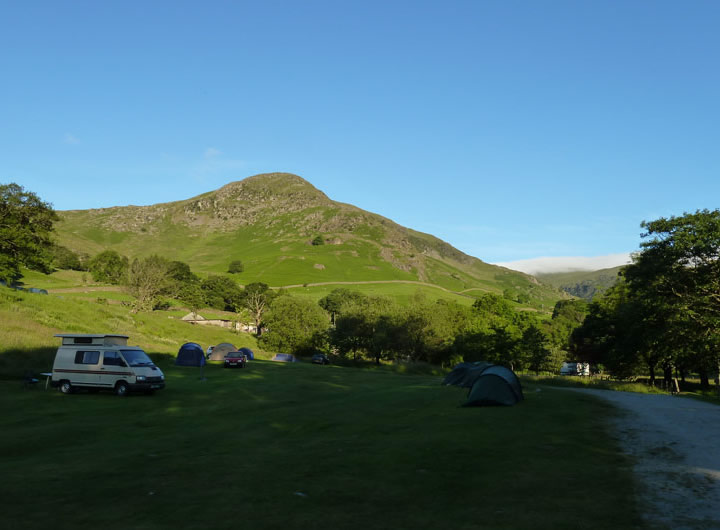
137	358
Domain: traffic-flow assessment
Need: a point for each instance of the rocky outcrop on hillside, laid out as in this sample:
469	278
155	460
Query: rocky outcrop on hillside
276	211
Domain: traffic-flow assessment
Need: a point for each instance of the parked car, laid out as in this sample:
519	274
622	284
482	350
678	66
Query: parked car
235	359
320	358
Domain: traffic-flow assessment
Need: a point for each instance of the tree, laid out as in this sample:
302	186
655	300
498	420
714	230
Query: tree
222	292
26	223
426	330
181	273
193	295
256	298
366	326
493	333
66	259
678	269
318	240
494	308
535	345
184	285
236	267
661	313
567	315
109	267
294	325
334	302
147	280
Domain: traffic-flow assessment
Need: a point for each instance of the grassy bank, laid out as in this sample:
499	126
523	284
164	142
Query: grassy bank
591	382
29	321
306	446
689	389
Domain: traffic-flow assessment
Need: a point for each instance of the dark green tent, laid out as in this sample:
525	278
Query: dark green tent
464	374
456	374
496	385
471	375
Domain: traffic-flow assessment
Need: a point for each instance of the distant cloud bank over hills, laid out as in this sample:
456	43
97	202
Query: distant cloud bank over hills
567	264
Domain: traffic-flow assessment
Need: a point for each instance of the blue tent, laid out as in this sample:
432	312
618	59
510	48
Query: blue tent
285	358
190	354
248	353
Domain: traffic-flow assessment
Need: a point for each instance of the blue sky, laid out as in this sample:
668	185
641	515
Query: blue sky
513	130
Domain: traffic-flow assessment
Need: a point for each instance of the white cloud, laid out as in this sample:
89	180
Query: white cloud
567	263
70	139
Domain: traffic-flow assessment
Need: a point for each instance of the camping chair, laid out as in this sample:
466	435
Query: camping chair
29	380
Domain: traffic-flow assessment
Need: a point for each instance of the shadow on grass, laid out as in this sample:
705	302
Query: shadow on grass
15	362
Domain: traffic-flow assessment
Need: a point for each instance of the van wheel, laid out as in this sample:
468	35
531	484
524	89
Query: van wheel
66	387
121	389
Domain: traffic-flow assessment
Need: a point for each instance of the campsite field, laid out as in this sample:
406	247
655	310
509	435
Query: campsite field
306	446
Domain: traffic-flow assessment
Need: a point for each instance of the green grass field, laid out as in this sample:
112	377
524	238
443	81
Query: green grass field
307	446
70	284
286	446
403	293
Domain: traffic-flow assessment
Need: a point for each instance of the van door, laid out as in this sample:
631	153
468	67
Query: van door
87	369
113	369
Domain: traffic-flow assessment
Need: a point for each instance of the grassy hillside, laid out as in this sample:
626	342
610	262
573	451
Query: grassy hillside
583	284
29	322
269	222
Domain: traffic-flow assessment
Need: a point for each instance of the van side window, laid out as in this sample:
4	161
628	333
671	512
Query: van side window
82	340
112	358
87	357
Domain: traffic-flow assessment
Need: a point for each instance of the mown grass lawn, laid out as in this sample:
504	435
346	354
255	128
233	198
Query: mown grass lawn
306	446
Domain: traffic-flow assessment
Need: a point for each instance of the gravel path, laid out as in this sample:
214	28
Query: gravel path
675	444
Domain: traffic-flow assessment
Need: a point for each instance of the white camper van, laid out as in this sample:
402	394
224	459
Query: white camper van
575	368
104	361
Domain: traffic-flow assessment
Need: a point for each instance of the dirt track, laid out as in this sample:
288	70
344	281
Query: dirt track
675	443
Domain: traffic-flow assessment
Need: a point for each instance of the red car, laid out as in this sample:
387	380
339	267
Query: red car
235	359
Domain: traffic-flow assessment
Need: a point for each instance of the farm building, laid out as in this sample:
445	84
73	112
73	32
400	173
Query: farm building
196	318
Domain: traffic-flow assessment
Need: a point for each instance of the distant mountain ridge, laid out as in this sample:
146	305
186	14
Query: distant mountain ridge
269	221
583	284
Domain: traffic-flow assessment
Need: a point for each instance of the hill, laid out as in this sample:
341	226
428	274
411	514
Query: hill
287	232
583	284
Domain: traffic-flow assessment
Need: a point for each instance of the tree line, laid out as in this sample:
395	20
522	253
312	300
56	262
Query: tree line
663	315
353	325
356	326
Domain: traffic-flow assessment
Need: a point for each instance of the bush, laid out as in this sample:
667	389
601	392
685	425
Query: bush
236	267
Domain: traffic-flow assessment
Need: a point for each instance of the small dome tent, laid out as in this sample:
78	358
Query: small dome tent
219	351
496	385
465	374
456	374
473	373
190	354
285	358
248	353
